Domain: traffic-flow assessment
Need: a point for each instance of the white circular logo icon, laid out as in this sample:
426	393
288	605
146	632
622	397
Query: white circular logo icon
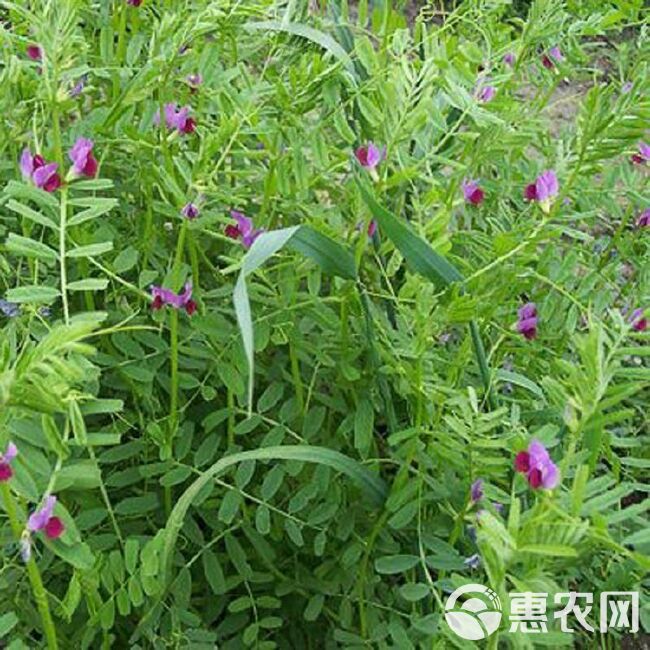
476	617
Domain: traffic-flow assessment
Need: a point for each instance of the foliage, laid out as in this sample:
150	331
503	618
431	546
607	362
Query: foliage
290	465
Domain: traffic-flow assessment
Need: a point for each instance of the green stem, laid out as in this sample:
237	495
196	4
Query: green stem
297	379
62	253
38	590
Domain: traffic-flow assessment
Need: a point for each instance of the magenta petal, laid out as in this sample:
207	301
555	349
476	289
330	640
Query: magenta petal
546	185
38	520
43	174
550	475
170	115
538	454
26	164
11	453
79	154
243	222
529	310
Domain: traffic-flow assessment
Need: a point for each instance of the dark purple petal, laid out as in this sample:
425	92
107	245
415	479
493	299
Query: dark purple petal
476	491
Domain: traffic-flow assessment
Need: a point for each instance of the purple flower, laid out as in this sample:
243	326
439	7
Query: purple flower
134	3
543	190
554	56
190	211
5	462
644	219
643	156
77	89
42	174
44	520
476	491
9	309
183	300
194	80
538	467
472	192
83	161
34	52
179	120
638	320
509	59
370	155
527	320
486	94
626	87
243	230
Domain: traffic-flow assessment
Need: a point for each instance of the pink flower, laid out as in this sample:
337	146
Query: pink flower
486	94
643	156
472	192
34	52
243	230
134	3
5	462
43	520
527	320
543	190
42	174
369	155
638	320
190	211
538	467
179	120
183	300
83	161
644	219
509	59
372	228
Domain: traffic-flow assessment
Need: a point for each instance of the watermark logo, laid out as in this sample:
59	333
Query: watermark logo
476	617
479	614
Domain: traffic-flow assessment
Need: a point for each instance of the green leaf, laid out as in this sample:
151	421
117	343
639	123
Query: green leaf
32	215
30	248
78	555
90	284
414	591
33	293
7	623
97	208
418	253
91	250
214	572
314	35
364	420
519	380
553	550
391	564
330	256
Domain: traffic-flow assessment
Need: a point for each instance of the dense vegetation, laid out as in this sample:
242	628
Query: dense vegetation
311	314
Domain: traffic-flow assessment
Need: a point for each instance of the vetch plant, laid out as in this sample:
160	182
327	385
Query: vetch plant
412	254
